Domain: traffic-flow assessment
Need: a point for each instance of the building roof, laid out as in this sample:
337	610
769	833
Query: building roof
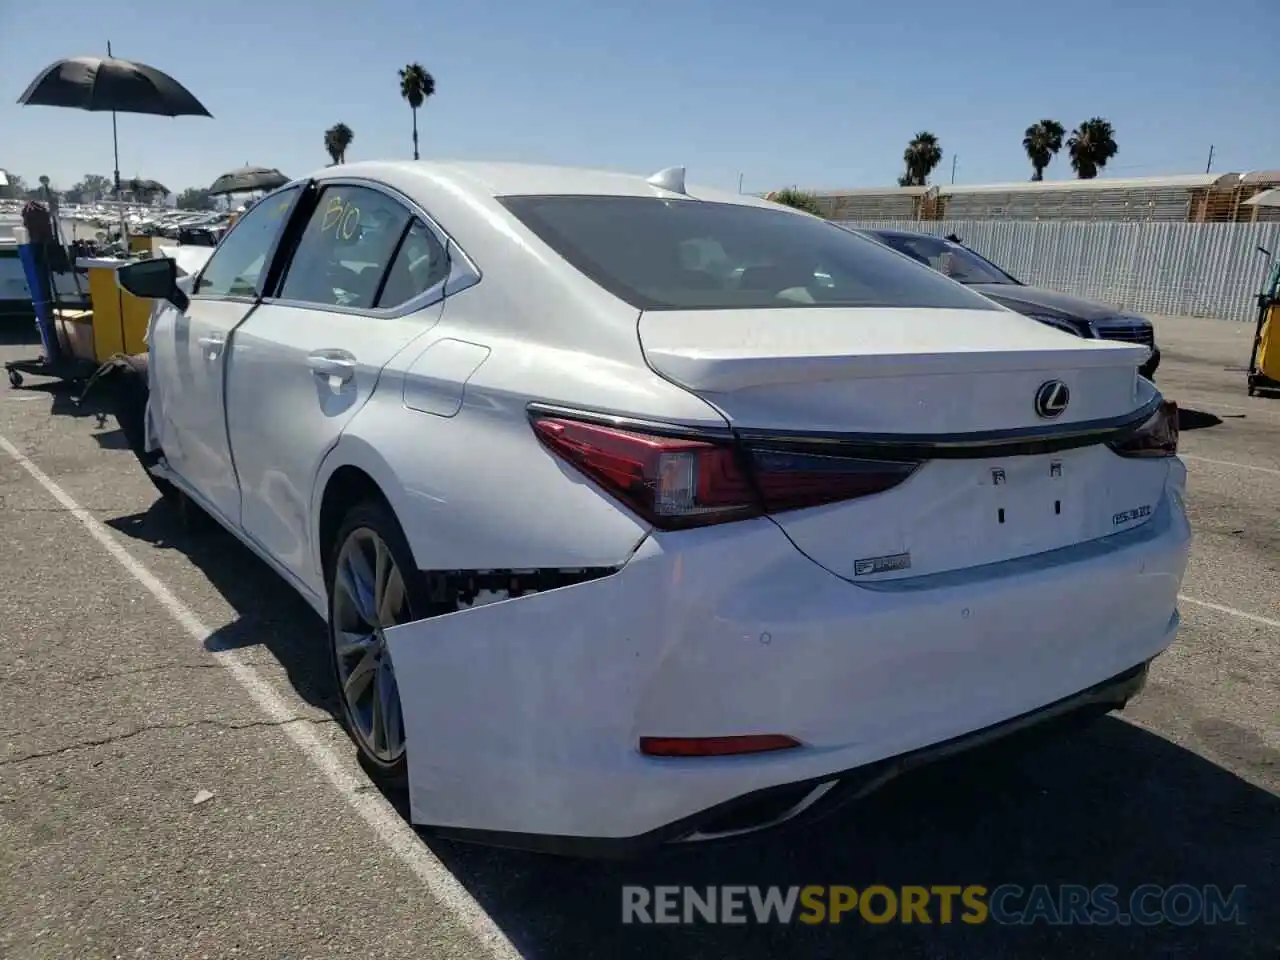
1183	182
1190	181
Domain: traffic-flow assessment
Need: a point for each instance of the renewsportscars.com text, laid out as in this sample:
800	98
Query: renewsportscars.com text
1008	904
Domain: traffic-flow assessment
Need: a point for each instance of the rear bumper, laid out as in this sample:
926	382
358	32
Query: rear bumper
800	804
523	716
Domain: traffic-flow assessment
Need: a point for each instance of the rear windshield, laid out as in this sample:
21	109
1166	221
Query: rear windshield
661	254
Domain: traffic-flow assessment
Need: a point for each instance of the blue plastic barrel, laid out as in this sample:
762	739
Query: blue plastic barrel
37	284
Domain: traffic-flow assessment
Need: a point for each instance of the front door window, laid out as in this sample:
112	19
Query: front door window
238	266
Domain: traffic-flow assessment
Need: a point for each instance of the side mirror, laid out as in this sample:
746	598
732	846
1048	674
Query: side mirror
154	279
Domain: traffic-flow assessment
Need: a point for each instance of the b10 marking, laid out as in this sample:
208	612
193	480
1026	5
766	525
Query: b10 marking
1125	516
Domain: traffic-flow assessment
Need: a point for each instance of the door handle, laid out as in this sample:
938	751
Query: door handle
211	346
337	364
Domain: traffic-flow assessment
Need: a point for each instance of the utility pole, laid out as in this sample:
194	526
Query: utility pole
1209	166
954	158
739	183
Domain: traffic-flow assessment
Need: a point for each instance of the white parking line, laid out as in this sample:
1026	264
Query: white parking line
1251	617
371	806
1230	463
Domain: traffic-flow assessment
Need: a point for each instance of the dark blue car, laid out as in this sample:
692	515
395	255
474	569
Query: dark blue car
1084	318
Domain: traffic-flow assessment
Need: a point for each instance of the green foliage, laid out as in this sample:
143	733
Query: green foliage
1042	141
1092	144
799	199
416	85
922	155
195	198
14	188
336	141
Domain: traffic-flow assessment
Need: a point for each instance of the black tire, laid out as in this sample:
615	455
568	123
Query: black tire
129	389
372	516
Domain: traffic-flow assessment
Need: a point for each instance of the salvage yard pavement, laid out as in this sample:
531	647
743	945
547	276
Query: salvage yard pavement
173	784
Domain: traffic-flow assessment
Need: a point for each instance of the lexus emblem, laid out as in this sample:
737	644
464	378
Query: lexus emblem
1051	399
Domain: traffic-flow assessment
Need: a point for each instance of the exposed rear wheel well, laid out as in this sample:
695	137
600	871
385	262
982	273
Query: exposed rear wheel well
448	589
347	487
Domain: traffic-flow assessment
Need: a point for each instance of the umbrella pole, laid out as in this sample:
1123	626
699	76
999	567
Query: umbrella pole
115	146
115	149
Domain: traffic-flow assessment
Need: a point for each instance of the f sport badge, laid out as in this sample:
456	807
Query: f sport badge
896	561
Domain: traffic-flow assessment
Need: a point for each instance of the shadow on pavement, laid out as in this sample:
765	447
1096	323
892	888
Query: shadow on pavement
1196	419
16	332
1108	804
270	612
97	406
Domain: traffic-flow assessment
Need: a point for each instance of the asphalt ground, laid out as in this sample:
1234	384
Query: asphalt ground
144	665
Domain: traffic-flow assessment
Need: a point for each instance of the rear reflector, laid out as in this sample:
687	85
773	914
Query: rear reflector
715	746
678	482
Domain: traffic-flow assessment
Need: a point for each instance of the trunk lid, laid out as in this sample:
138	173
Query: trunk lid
946	386
833	370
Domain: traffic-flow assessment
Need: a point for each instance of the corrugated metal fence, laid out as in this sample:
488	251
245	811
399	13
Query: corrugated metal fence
1186	269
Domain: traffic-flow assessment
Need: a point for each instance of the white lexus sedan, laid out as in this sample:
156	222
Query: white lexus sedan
642	513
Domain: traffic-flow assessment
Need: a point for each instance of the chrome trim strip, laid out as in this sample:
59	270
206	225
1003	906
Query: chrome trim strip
658	428
1020	441
463	272
1058	435
441	233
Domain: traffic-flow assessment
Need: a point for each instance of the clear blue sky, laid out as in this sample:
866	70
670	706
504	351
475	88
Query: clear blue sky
819	93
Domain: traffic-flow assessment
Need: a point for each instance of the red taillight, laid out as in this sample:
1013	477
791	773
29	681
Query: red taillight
672	482
1158	437
715	746
677	482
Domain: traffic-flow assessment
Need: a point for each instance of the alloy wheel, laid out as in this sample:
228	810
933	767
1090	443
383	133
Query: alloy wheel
369	596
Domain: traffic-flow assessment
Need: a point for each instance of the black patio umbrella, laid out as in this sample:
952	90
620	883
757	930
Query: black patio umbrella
104	84
144	186
248	179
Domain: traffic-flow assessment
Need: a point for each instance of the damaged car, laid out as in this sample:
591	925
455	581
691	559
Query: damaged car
642	513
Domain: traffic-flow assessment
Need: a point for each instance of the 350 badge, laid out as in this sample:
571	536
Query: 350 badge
1125	516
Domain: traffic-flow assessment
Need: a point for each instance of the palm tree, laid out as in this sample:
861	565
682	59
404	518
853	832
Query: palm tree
1042	141
1092	144
415	86
336	141
922	155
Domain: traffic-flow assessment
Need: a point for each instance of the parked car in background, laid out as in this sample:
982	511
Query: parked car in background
644	513
1084	318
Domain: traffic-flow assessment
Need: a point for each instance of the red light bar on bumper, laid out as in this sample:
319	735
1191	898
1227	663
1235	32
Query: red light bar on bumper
680	482
715	746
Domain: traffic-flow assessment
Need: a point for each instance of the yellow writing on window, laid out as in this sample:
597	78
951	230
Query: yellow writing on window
341	218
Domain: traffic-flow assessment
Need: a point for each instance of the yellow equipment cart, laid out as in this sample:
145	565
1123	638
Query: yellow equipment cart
1264	363
119	318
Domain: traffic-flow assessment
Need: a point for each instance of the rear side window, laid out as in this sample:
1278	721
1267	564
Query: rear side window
345	248
661	254
420	264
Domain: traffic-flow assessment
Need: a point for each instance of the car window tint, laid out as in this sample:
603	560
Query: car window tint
420	264
957	262
238	266
345	248
659	254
